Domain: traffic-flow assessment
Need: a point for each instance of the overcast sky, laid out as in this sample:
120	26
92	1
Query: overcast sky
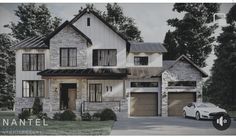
150	18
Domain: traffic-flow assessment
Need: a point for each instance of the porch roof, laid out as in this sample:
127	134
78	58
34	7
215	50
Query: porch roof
89	72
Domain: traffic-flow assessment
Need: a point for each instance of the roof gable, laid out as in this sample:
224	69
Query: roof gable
66	23
170	64
86	10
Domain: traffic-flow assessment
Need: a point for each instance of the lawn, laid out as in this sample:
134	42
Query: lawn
57	127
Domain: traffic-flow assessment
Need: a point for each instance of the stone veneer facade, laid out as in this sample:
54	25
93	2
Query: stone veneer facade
181	71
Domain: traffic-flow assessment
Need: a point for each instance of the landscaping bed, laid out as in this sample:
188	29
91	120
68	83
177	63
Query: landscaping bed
56	127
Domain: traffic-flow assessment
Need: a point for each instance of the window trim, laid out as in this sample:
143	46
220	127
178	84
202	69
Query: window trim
141	57
37	57
95	93
37	89
103	65
132	86
68	56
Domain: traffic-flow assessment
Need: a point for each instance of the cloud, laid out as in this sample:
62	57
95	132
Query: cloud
6	17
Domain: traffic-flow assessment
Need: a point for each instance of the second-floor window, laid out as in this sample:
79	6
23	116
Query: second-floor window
68	57
32	62
140	60
104	57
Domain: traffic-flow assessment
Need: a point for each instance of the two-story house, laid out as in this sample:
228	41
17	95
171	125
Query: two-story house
85	66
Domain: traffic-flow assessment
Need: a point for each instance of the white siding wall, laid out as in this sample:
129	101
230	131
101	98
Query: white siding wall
102	38
27	75
154	59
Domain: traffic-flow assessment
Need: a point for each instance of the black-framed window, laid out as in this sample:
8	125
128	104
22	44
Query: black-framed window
30	110
33	62
33	88
88	21
141	60
68	57
95	92
144	84
104	57
182	83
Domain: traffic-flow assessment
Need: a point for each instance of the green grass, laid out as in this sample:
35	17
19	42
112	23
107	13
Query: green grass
57	127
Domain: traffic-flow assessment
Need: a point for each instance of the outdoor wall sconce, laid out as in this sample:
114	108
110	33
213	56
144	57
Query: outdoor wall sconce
55	90
164	95
199	95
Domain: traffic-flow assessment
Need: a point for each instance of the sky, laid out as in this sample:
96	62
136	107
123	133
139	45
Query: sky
150	17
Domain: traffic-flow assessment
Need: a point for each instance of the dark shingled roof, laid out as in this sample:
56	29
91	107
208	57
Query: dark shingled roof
32	43
147	47
86	72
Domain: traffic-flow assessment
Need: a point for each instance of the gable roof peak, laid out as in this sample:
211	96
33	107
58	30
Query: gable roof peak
204	74
96	14
63	25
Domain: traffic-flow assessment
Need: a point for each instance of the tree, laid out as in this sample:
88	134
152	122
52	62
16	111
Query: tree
37	106
170	45
6	78
193	34
221	88
33	21
114	16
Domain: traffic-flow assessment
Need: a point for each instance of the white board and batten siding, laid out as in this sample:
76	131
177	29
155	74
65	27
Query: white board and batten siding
27	75
102	38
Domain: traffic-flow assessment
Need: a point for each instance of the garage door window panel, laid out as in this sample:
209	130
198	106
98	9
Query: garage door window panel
144	84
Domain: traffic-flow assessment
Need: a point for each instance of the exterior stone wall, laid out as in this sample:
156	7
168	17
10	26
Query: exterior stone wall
21	103
68	38
181	71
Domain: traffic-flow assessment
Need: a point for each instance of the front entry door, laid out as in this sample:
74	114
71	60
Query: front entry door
72	99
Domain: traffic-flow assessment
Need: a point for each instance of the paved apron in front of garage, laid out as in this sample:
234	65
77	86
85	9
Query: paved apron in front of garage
166	126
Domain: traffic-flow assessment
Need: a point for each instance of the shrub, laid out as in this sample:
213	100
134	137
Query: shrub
86	117
42	115
37	106
108	114
57	116
97	116
24	115
67	115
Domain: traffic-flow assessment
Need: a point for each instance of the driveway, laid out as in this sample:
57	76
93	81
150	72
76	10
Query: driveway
166	126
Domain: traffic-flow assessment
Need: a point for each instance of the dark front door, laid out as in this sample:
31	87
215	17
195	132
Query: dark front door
67	96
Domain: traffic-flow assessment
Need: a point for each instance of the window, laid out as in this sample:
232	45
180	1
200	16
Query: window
95	92
144	84
105	57
68	57
141	60
33	88
88	21
30	110
32	62
182	83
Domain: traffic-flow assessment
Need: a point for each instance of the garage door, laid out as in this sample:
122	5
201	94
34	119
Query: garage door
143	104
177	100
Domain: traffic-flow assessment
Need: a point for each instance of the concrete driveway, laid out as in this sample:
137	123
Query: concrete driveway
166	126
